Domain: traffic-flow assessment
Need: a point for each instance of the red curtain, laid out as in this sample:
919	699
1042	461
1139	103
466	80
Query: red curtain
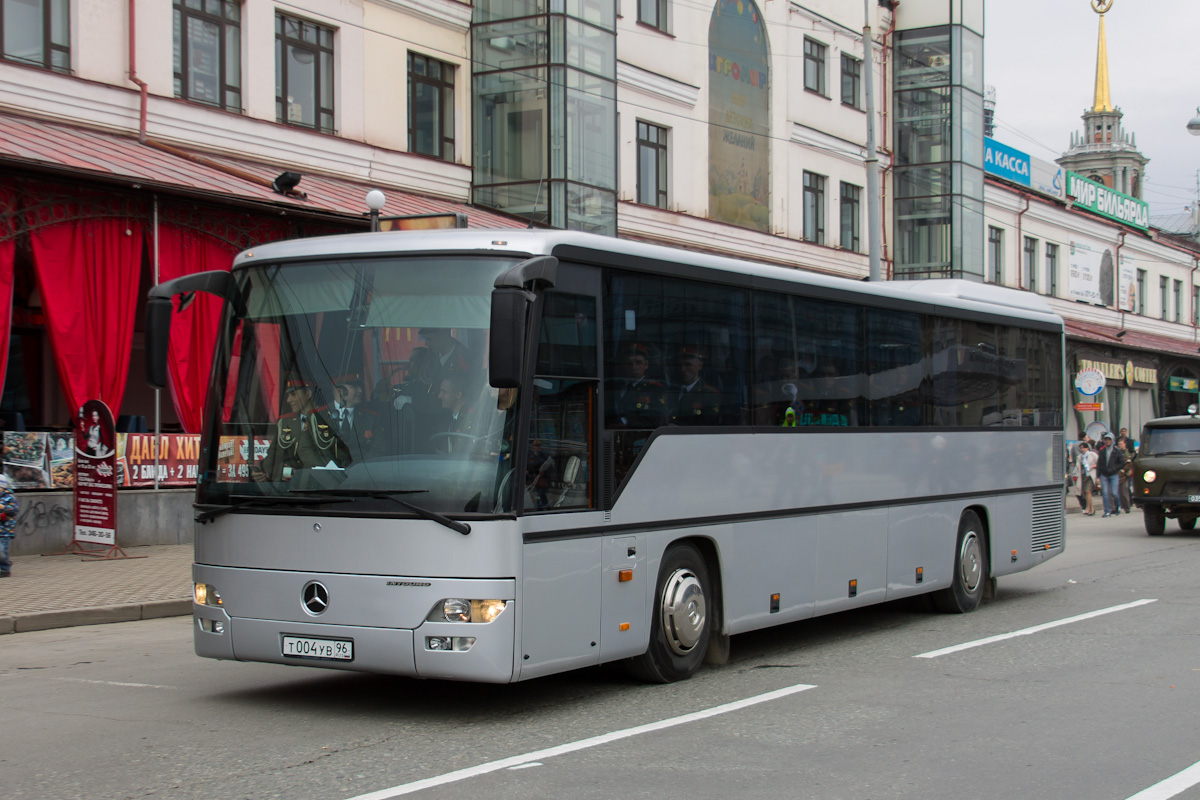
87	272
194	331
8	247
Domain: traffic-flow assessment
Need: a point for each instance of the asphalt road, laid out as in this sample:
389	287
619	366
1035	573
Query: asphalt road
1100	707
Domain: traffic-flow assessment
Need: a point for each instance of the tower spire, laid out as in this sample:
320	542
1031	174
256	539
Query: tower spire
1103	102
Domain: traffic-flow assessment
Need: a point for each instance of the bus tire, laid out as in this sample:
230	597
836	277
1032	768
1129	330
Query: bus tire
970	568
1154	519
680	624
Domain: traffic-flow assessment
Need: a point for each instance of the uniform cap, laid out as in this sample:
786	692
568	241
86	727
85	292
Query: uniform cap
348	379
296	383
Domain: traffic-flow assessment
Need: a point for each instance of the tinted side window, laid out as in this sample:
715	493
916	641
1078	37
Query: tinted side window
898	361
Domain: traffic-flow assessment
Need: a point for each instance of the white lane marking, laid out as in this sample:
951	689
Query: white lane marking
582	744
527	766
1172	786
1035	629
118	683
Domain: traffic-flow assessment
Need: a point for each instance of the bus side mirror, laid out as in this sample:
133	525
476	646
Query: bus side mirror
160	305
511	301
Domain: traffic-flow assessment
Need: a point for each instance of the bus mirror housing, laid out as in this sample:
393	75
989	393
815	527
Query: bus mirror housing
160	303
515	292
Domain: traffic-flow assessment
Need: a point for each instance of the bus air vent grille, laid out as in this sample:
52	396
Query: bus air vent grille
1048	521
1059	459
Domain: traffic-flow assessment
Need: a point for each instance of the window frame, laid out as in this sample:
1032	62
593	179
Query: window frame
322	106
855	78
1029	262
181	13
1163	284
850	211
994	263
660	148
814	207
48	45
661	10
1177	286
815	61
1141	292
446	143
1052	268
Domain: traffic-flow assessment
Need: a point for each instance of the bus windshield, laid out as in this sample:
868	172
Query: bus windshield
362	378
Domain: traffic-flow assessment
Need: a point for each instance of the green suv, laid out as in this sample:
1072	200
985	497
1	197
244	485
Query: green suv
1166	473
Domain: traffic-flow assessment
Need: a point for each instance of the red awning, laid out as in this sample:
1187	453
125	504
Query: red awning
58	147
1134	340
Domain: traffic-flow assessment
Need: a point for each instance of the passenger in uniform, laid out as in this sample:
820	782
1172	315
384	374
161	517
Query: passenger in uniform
695	402
359	426
304	437
637	401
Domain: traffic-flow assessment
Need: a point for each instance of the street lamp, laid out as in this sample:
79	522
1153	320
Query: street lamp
376	200
1193	125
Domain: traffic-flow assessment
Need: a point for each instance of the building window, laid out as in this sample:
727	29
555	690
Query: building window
208	52
850	205
1141	292
653	13
814	66
303	73
1052	269
1162	296
851	81
1029	264
37	32
814	207
1196	305
1178	286
651	165
995	252
430	107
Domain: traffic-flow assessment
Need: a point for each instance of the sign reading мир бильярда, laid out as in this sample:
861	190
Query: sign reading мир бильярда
1099	199
95	475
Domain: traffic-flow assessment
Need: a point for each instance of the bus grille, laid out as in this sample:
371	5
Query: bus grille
1048	520
1058	460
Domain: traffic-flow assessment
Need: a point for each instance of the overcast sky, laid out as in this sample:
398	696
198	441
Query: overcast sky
1041	57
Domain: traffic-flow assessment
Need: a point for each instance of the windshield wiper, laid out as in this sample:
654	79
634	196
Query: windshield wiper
311	499
393	495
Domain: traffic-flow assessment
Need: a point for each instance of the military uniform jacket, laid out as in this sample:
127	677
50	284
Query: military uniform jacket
700	406
304	440
365	436
641	404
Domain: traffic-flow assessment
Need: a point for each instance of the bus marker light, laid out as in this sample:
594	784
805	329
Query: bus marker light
854	588
624	626
625	575
920	574
775	603
1014	554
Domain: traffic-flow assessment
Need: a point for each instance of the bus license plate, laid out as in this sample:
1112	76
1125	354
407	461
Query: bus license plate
312	647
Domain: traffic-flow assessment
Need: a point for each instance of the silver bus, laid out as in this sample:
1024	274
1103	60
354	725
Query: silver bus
494	455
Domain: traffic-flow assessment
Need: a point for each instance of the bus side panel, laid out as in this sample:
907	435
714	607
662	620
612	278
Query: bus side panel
560	606
1009	520
627	584
763	558
851	546
921	537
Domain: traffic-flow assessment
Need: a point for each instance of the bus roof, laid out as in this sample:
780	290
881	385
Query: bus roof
951	293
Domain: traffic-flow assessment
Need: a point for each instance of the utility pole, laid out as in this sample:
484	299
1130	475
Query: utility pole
873	198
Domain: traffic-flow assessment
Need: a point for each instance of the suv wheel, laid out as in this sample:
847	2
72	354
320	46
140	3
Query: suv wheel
1154	520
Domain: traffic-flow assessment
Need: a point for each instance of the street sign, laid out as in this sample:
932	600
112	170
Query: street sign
1177	384
1089	406
1089	382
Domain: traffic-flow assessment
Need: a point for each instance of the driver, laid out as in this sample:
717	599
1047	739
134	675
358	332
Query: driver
462	418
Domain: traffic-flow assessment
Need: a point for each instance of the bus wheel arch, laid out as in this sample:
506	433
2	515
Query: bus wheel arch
683	616
972	565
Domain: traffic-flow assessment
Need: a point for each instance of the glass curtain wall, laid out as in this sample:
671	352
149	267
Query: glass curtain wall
545	111
938	209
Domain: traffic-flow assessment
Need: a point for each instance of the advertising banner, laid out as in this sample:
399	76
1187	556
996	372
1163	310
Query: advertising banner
234	458
1090	274
25	460
1099	199
95	475
1127	298
1045	177
1005	162
174	455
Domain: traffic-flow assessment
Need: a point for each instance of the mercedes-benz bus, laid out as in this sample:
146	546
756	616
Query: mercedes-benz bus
571	450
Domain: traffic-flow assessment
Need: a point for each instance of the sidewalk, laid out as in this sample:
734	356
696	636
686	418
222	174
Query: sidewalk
62	591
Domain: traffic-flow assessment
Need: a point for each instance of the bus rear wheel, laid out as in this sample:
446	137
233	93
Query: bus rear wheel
680	623
970	568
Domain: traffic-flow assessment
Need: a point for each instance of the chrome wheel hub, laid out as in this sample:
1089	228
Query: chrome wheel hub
683	611
970	562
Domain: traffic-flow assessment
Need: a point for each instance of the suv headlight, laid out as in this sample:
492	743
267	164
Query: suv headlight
1149	475
456	609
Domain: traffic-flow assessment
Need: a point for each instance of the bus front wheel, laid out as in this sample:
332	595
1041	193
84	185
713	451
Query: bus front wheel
970	568
680	623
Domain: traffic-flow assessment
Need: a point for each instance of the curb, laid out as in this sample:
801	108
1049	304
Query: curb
95	615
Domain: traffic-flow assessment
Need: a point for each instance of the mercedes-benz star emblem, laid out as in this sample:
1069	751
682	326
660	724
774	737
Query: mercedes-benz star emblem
315	597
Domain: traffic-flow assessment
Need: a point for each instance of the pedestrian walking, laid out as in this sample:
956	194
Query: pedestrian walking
1086	467
1126	474
1109	463
8	522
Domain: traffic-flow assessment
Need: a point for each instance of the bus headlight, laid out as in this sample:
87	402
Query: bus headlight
456	609
1149	475
207	595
